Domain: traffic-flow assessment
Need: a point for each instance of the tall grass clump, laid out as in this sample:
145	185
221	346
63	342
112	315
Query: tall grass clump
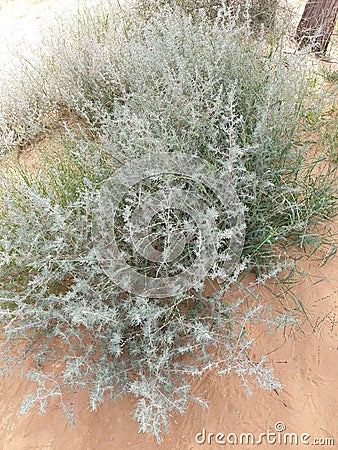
165	85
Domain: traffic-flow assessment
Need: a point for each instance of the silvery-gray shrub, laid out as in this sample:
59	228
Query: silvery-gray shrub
169	84
258	13
77	329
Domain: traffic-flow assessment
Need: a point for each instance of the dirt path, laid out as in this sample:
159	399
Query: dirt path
22	23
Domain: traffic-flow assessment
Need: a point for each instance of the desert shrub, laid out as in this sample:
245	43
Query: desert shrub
168	85
259	13
200	88
78	329
25	107
30	95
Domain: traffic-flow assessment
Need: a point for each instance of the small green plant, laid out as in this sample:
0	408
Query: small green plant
321	118
330	75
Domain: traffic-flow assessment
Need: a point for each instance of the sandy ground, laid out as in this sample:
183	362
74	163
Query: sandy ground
305	362
23	21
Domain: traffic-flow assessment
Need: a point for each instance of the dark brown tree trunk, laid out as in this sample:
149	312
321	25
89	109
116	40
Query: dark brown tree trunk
317	24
